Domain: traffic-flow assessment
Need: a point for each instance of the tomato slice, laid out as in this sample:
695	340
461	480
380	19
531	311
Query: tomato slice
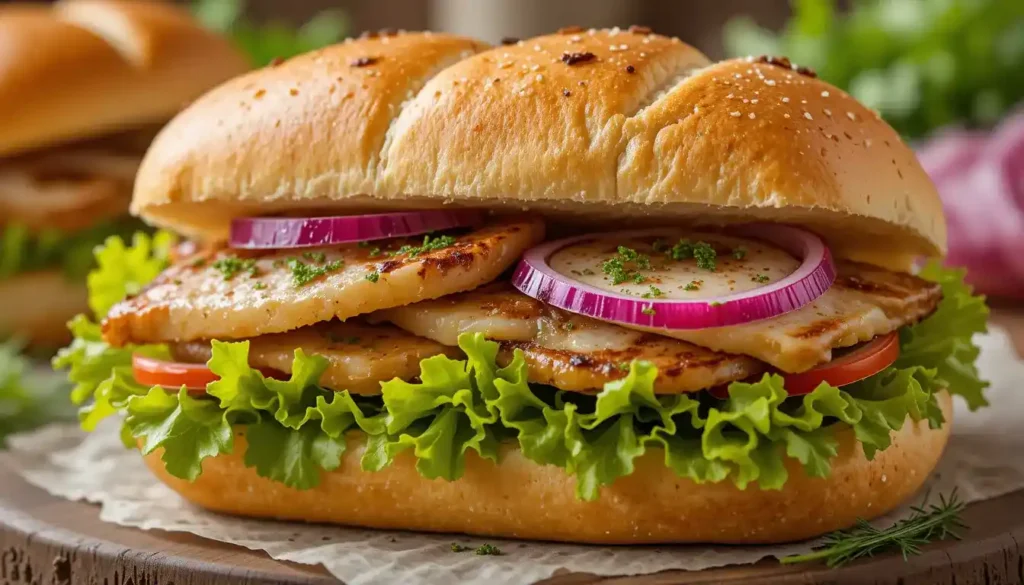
860	362
153	372
173	375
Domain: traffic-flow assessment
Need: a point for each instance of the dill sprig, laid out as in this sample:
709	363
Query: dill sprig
928	523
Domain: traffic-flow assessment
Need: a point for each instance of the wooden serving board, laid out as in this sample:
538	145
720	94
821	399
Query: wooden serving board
46	540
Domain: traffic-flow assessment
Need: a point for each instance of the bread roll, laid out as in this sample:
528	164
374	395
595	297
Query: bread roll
618	127
520	499
89	67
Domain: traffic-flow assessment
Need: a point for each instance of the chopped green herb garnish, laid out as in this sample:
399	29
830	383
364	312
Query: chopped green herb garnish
569	326
488	549
429	245
231	266
739	253
260	285
761	278
364	244
648	310
624	366
653	293
456	547
616	266
693	285
703	252
303	274
705	255
375	252
177	282
373	276
318	257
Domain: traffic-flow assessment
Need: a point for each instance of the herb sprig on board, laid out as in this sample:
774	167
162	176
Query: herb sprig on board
927	524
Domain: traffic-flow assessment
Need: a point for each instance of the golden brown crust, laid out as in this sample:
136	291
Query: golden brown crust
90	67
521	499
313	127
37	306
645	129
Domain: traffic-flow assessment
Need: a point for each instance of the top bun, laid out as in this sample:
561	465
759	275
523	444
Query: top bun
619	126
84	68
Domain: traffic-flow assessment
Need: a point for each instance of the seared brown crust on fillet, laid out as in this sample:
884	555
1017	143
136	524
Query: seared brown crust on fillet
567	351
359	356
202	298
864	302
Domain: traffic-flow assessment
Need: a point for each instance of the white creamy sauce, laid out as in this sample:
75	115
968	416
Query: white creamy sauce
755	265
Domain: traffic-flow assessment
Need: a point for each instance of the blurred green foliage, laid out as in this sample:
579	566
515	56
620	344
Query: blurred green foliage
29	395
263	43
921	64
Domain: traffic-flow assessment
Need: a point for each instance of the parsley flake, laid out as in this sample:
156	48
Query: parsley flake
648	310
303	274
456	547
373	276
260	285
739	253
231	266
488	549
616	266
761	278
703	252
693	285
653	293
429	245
318	257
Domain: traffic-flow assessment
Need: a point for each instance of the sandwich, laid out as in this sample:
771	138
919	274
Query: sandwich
84	85
587	287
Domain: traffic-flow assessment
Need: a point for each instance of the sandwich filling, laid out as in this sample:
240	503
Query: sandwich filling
425	345
56	206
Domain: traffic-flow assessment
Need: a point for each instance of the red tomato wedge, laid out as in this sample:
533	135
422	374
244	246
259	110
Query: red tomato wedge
861	362
173	375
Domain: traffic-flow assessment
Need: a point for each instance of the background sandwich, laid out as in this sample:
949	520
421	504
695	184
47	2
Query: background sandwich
84	85
585	287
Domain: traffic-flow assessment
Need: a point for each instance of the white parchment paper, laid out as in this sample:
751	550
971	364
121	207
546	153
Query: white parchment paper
985	459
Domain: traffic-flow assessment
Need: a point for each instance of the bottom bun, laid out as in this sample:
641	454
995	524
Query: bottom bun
520	499
37	306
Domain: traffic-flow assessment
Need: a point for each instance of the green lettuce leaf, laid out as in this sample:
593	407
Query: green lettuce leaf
29	397
122	270
188	429
23	250
943	340
445	414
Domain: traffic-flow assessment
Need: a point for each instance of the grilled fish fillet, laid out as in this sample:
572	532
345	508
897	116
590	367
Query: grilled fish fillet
864	302
225	294
359	356
563	350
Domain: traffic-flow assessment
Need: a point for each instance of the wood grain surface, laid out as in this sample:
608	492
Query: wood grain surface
49	541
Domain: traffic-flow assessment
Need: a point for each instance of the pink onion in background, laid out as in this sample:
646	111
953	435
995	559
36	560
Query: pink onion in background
980	177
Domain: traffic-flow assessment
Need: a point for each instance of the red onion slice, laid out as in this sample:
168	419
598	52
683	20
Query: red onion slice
535	277
264	233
